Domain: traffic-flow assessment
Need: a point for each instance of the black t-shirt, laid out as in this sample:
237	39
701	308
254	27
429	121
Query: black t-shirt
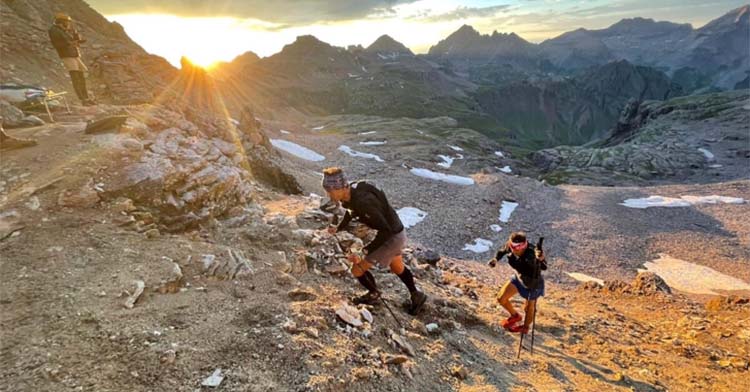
527	265
371	207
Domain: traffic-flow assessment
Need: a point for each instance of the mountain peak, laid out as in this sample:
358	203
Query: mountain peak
305	44
308	40
246	58
734	17
465	32
386	44
468	42
640	25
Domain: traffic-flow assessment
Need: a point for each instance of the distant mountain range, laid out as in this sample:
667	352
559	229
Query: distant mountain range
566	90
718	52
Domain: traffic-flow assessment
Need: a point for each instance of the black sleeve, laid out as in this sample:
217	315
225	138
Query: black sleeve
370	208
502	252
345	221
56	37
542	264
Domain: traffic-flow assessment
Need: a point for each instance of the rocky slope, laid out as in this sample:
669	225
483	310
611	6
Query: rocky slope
104	296
697	138
576	110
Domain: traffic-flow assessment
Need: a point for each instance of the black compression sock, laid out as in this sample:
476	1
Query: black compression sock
408	280
368	281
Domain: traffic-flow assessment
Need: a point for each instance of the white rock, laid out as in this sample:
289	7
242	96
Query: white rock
33	203
349	315
131	300
214	380
366	315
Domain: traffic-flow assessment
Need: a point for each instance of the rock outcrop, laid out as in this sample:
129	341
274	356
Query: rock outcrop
657	141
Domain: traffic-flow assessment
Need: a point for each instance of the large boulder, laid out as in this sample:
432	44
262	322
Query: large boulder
13	117
185	180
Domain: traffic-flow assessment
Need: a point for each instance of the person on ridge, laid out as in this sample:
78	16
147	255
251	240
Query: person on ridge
66	40
370	205
528	280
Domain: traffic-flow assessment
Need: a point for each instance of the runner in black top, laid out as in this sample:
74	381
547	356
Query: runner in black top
369	204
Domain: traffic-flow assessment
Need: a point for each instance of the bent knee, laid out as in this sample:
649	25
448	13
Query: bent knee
397	265
360	268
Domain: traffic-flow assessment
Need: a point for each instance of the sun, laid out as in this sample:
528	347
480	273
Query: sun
204	62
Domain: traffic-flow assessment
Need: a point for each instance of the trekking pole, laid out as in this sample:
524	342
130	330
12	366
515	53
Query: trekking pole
391	312
536	302
533	327
520	346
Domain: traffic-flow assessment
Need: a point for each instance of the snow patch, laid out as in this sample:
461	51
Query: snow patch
367	133
285	132
684	201
692	278
505	169
716	166
480	245
297	150
506	209
585	278
447	161
496	228
708	154
373	143
419	132
500	154
455	148
458	180
358	154
319	128
410	216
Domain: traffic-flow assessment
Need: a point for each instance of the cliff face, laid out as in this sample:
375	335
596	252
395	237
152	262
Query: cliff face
696	138
576	110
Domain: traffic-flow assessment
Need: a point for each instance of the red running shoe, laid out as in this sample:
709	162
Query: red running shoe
510	321
519	328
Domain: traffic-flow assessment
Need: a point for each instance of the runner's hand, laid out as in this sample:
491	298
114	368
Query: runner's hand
492	263
539	255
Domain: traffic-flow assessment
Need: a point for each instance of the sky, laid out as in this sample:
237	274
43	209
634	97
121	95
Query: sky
219	30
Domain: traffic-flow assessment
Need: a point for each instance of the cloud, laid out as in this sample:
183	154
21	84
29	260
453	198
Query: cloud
284	12
536	23
465	13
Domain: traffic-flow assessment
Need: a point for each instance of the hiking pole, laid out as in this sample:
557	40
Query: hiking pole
533	326
391	312
536	302
520	346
